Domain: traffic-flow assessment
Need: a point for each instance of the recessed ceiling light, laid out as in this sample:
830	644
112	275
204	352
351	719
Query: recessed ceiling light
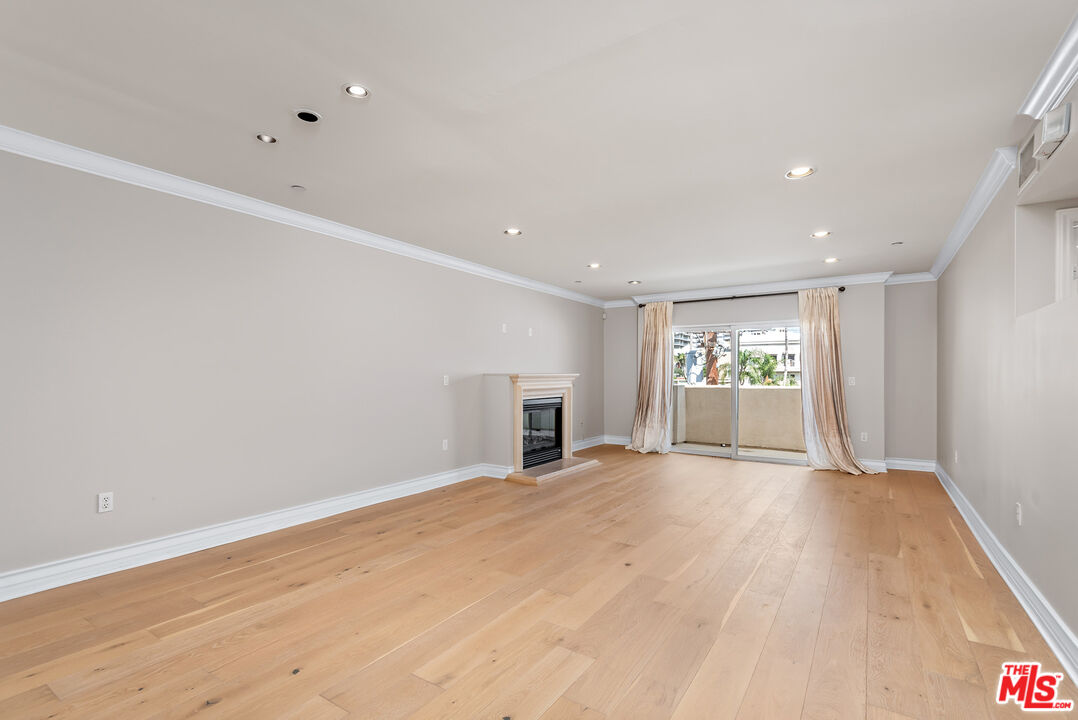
514	231
593	266
831	260
309	116
578	281
897	242
799	172
356	91
820	234
634	282
268	139
298	188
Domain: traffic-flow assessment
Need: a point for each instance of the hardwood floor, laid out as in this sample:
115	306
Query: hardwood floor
673	586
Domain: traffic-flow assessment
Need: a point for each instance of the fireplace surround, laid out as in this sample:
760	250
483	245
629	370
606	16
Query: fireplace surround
546	388
520	406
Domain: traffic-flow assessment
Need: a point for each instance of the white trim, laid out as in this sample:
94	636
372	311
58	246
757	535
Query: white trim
600	440
618	304
783	286
587	443
1059	637
918	277
57	153
25	581
897	463
492	470
878	466
1057	77
984	192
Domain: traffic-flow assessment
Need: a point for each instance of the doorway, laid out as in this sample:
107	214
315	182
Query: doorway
737	392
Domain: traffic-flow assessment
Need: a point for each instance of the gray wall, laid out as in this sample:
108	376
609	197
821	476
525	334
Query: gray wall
1008	400
206	365
621	357
719	312
910	347
861	312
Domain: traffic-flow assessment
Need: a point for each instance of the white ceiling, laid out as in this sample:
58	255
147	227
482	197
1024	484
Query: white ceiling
651	137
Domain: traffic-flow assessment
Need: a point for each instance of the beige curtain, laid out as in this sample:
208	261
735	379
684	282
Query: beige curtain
651	427
823	396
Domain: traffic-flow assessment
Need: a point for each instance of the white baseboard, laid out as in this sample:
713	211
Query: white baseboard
1056	633
897	463
26	581
491	470
587	443
600	440
874	465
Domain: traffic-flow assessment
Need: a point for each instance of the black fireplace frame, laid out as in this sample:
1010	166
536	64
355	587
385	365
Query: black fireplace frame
540	456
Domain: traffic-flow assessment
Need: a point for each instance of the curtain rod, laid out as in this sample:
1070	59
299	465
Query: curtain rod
739	297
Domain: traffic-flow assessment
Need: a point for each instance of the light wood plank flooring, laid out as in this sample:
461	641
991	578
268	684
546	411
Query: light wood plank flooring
652	586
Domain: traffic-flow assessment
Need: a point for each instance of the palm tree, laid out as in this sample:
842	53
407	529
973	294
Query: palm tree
756	368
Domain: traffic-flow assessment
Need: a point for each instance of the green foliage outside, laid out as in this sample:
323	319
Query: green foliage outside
757	368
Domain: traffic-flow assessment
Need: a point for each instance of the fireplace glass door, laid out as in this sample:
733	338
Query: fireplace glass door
542	431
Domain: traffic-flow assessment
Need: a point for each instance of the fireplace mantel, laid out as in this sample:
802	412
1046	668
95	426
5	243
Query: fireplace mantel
542	385
503	400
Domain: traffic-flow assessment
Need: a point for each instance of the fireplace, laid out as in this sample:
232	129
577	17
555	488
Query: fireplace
542	430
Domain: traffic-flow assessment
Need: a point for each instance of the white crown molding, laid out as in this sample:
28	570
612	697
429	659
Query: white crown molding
907	278
618	304
984	192
782	286
26	581
58	153
1057	77
897	463
1056	633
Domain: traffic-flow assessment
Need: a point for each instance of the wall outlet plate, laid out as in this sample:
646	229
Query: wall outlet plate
104	502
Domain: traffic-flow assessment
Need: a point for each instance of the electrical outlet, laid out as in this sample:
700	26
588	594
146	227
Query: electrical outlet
445	380
853	381
864	437
445	444
104	502
955	457
1018	513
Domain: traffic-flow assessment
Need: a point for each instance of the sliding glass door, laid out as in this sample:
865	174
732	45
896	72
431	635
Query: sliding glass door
737	392
703	399
768	396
